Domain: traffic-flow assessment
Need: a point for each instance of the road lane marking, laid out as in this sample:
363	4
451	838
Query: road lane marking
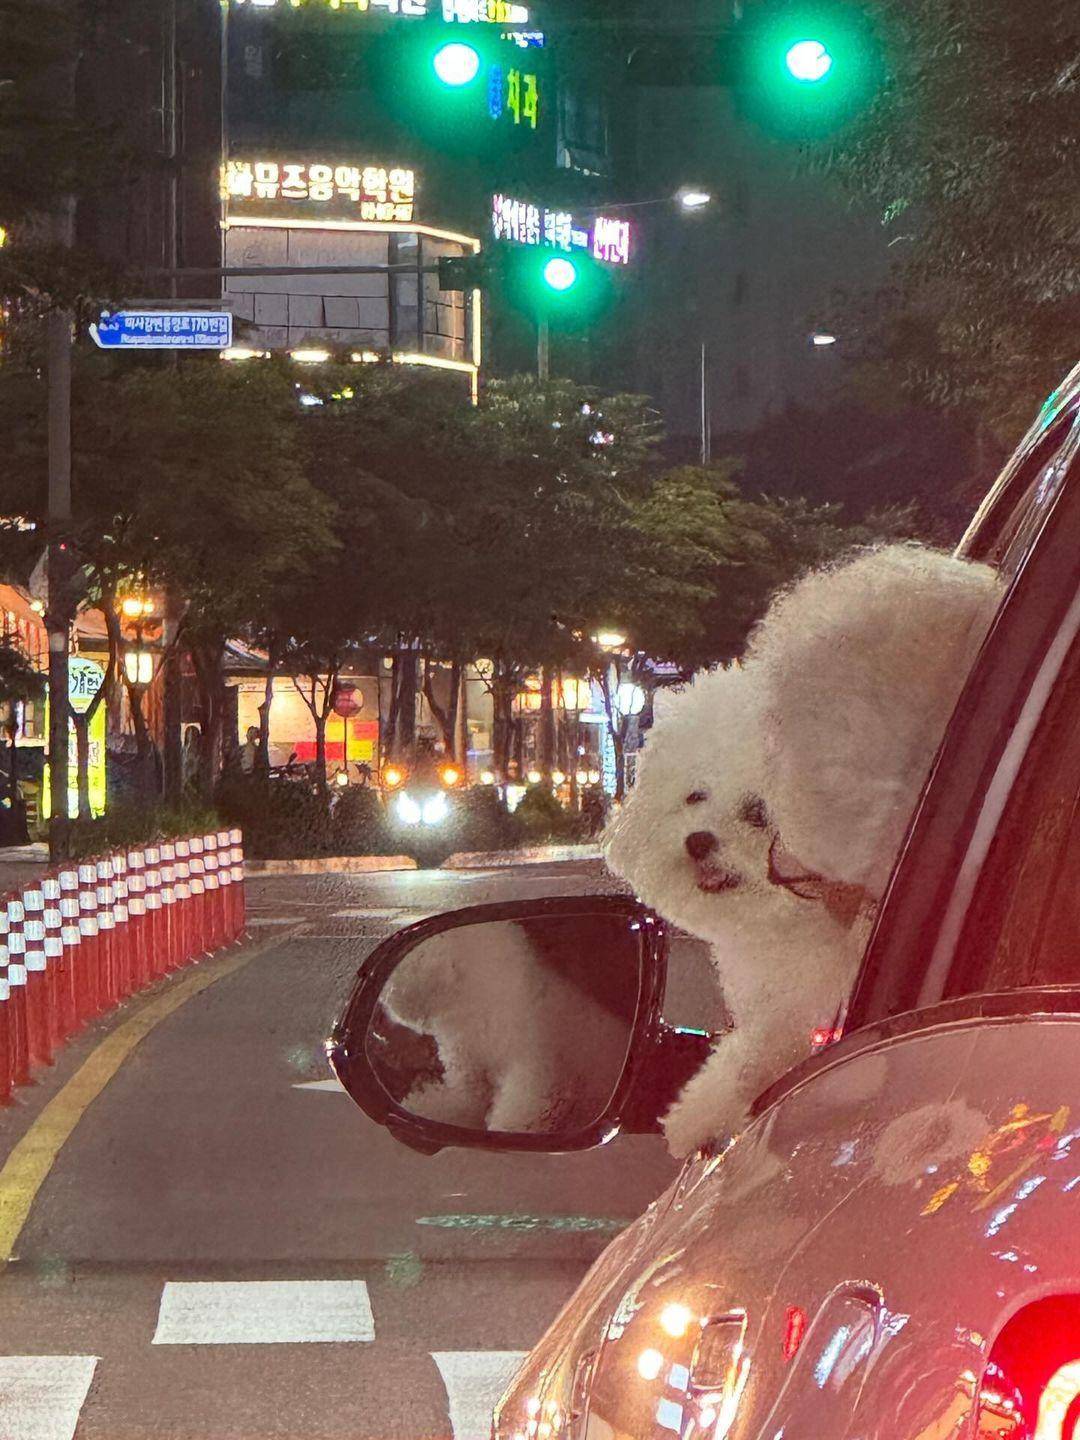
386	913
258	920
264	1312
332	1087
29	1163
572	1223
41	1395
475	1381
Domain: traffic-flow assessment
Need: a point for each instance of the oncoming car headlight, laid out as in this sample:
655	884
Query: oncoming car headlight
435	810
408	810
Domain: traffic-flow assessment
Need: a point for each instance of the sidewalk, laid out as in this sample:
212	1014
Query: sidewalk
19	864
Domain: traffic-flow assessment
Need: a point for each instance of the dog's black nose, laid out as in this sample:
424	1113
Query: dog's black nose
700	844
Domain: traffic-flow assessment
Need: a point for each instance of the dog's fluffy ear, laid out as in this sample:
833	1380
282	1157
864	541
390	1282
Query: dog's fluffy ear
864	663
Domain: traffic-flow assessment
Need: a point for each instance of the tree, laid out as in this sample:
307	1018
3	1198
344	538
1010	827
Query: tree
970	154
191	476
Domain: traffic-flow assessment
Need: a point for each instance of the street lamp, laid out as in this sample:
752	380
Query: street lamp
610	639
139	666
691	199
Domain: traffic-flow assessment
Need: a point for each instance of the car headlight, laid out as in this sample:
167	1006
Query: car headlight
408	810
435	810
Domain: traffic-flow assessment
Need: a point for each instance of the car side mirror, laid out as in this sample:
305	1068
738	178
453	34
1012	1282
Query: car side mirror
533	1025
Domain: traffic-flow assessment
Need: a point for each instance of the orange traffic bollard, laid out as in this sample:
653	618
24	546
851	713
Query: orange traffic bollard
13	947
54	951
214	928
197	867
186	950
90	946
169	914
110	991
37	992
239	896
121	928
136	888
155	948
6	1084
70	994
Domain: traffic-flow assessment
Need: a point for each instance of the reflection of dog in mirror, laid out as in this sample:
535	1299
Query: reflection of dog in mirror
521	1047
772	799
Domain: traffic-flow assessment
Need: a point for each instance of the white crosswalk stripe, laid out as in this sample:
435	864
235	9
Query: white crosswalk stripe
41	1395
474	1381
264	1312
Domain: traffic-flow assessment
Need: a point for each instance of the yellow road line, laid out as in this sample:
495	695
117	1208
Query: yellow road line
29	1163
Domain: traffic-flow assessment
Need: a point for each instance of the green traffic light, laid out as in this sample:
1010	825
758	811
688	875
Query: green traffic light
808	61
560	274
456	64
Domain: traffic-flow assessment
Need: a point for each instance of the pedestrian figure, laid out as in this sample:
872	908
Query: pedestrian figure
249	751
190	757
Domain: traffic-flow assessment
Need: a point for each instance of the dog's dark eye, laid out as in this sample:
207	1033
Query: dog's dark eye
697	797
754	813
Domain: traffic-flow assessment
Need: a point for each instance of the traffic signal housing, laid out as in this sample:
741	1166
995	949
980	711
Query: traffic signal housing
465	272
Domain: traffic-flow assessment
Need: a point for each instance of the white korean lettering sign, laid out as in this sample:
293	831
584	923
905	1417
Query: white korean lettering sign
354	191
163	330
491	12
606	238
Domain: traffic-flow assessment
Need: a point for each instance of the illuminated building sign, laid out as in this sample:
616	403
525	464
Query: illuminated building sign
355	192
375	7
604	237
85	679
515	94
491	12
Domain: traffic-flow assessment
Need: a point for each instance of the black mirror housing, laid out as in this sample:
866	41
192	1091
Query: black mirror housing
658	1059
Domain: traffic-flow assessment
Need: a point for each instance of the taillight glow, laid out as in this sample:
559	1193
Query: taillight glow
824	1036
1030	1387
794	1330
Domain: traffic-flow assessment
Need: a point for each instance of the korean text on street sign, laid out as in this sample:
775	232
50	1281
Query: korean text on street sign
164	330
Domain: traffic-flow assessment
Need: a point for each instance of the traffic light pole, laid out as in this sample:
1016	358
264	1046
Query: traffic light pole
543	350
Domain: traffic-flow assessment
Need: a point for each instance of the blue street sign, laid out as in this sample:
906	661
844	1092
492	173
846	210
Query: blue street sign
164	330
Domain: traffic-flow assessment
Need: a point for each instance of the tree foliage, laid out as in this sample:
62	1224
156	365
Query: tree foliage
971	154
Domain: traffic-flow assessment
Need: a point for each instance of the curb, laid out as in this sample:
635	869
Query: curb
332	865
532	855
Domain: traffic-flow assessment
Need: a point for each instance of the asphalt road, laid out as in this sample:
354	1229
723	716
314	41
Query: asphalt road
225	1247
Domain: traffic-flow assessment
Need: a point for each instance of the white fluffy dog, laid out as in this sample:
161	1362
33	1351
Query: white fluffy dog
772	798
521	1046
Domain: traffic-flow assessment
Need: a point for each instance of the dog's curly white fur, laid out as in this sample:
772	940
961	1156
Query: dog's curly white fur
521	1047
814	749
